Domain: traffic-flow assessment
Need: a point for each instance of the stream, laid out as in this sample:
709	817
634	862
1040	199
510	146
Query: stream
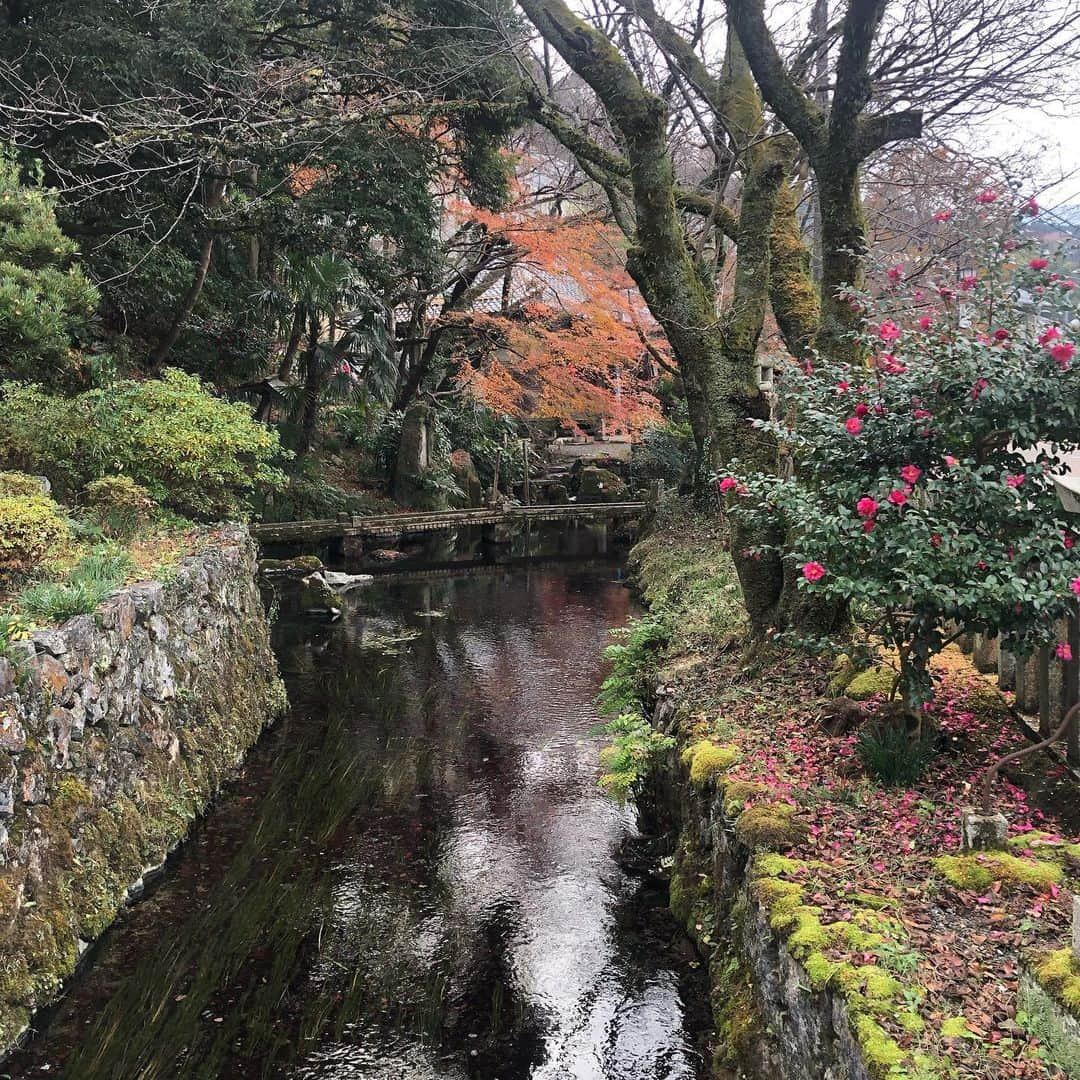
415	877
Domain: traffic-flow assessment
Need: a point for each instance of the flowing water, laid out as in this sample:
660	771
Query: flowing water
416	876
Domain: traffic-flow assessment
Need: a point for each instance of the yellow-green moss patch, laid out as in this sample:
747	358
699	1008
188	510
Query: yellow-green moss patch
873	681
707	760
979	870
1059	973
770	827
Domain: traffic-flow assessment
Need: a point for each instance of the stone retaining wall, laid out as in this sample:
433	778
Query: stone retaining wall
116	730
768	1019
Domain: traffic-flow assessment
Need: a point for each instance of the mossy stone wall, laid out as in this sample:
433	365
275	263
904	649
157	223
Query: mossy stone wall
116	729
771	1023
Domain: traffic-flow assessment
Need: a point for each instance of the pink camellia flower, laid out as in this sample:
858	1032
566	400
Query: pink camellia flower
951	461
935	540
922	414
895	273
1031	207
868	526
945	293
1062	352
919	295
861	409
910	474
888	331
1067	284
1049	334
890	365
942	216
728	483
843	387
1001	335
867	508
1067	539
1039	263
879	409
1014	480
967	282
1075	585
986	197
926	322
978	388
897	497
853	425
813	571
1063	651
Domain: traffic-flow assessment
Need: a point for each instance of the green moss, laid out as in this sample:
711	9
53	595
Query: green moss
734	1013
821	969
873	681
881	1053
707	760
690	893
770	864
737	793
956	1027
910	1021
979	870
841	673
71	796
770	827
1059	973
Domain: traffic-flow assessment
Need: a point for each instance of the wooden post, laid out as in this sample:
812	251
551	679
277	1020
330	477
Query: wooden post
1044	691
495	479
525	464
1071	689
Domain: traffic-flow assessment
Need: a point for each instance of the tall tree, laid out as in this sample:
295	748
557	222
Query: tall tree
716	350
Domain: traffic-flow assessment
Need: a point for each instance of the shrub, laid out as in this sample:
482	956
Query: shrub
923	484
17	483
96	576
190	450
44	299
13	627
31	529
119	505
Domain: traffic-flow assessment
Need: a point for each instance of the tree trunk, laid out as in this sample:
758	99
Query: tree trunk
843	232
296	332
191	297
314	378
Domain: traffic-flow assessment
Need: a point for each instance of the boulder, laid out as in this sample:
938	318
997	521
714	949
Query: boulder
467	478
601	485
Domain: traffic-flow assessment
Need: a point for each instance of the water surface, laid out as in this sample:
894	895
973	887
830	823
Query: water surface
416	875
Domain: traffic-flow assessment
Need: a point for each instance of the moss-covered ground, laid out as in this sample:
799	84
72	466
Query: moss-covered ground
866	883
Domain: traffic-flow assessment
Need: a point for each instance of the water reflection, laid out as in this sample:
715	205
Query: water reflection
414	878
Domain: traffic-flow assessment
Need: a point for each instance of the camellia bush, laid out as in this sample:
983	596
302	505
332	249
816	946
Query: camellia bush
921	489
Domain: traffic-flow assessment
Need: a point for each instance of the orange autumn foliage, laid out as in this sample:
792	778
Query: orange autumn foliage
566	339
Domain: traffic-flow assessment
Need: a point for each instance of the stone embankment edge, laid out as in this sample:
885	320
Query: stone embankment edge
768	1018
116	731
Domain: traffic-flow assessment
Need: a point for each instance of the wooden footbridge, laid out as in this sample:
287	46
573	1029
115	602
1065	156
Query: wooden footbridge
414	524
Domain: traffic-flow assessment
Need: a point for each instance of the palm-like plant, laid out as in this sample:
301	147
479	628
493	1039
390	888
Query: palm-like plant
338	337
